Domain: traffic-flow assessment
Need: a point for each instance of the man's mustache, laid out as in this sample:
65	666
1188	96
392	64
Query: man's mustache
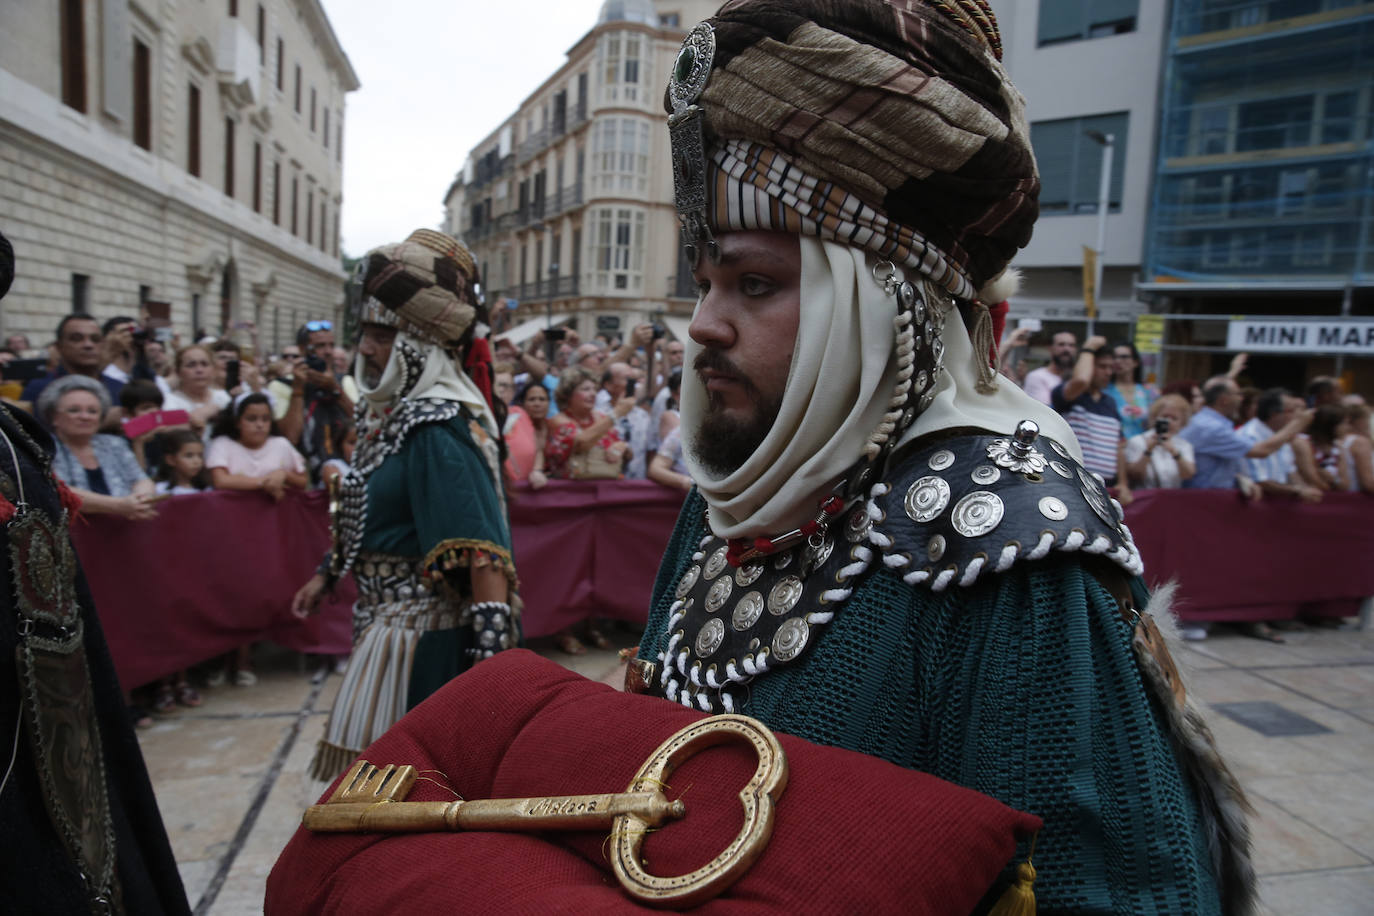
712	359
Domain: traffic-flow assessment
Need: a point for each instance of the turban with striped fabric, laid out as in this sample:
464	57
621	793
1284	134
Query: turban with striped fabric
889	125
423	286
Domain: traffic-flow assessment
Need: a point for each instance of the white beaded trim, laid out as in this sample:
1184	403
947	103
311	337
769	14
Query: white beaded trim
1126	556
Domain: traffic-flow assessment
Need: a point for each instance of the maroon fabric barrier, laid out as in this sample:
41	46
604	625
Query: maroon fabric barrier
589	548
212	572
216	571
1272	560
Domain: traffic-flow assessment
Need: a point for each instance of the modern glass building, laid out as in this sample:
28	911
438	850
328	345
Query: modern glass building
1264	184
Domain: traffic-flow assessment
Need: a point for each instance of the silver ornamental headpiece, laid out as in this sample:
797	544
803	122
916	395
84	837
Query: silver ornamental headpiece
687	132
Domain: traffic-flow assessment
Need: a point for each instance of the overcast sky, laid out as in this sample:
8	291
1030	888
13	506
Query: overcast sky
437	76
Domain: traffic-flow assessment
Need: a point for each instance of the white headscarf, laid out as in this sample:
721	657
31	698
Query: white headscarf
841	379
440	379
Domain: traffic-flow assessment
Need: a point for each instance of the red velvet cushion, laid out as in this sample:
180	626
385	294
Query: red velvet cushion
853	834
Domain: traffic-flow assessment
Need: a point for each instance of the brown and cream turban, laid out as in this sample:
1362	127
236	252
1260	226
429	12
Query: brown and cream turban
423	286
888	125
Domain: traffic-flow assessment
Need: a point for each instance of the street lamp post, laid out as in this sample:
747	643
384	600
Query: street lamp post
1104	193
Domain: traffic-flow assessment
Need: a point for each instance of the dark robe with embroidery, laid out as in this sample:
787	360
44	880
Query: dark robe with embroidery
37	874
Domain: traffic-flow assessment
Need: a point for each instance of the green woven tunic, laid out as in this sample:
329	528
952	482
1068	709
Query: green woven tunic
1023	687
434	500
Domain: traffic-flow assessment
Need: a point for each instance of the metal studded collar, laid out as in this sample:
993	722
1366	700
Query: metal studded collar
730	625
965	507
950	513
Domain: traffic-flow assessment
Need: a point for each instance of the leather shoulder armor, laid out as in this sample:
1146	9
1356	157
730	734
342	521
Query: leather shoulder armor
960	508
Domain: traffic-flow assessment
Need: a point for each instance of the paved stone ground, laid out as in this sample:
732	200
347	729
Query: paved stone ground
230	776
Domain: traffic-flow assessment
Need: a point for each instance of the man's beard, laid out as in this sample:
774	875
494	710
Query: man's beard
722	443
372	376
1064	361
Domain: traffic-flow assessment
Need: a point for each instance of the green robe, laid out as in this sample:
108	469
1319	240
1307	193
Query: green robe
433	506
434	500
1023	687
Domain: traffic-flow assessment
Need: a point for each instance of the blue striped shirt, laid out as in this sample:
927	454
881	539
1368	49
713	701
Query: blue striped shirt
1097	425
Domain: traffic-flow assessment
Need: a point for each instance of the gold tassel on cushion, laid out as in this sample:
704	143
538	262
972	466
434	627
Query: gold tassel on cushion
1019	899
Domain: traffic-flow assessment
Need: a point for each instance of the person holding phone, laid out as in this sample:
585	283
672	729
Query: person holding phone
1158	458
321	403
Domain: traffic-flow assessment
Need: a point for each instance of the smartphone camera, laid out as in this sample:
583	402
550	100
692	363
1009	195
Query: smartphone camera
659	331
555	333
1161	427
231	375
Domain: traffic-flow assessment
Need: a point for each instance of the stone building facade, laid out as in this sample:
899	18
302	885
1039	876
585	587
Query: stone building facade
568	204
177	152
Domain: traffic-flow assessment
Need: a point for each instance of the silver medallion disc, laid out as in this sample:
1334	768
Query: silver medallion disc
985	474
942	459
716	562
1058	448
1054	509
711	636
817	557
790	639
857	524
1095	495
936	548
719	594
927	498
689	581
748	574
1061	469
977	513
747	611
784	595
783	560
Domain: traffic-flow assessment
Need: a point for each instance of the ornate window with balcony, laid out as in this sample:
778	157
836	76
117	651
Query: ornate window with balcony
624	68
616	245
620	156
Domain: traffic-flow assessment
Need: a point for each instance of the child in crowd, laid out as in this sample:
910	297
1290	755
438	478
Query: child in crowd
183	468
339	465
182	471
248	453
137	398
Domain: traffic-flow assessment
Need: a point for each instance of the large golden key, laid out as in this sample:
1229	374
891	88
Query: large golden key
371	800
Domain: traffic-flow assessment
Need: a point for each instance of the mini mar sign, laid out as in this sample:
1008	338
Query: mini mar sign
1278	335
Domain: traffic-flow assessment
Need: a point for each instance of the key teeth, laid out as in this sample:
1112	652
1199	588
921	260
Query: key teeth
365	782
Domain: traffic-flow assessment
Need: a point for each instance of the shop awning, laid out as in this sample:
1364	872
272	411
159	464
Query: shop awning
527	329
677	326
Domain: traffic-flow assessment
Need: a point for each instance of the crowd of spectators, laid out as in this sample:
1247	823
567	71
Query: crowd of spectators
1264	443
599	409
127	407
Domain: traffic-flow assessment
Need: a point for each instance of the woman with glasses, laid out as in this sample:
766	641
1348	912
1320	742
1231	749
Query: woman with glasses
1133	397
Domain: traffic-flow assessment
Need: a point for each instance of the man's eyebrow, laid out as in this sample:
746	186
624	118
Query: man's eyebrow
747	251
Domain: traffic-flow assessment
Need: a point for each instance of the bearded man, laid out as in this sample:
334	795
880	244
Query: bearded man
421	519
889	550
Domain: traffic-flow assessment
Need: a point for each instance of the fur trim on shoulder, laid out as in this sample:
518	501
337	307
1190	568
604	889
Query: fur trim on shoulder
1001	287
1224	807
